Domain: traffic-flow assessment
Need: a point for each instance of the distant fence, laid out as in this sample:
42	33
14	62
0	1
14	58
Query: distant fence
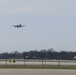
36	62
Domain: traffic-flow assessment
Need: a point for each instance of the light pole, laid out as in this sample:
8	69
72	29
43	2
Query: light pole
6	58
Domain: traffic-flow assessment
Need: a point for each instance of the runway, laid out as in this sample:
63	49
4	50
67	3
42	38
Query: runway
38	62
37	72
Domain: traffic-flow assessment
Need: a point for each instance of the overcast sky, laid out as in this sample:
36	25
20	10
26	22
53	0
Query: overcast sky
50	24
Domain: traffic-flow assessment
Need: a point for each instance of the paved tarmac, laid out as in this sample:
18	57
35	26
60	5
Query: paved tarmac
37	72
39	62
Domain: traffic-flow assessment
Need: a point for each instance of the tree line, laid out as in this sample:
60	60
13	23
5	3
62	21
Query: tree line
42	54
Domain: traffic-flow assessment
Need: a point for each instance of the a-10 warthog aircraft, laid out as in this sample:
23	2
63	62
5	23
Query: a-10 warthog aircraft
19	26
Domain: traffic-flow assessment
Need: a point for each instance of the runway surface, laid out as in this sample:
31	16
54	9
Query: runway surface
39	62
37	72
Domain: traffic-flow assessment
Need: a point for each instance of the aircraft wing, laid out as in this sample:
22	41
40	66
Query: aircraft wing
14	25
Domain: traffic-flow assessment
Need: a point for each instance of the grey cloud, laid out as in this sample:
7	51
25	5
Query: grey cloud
43	7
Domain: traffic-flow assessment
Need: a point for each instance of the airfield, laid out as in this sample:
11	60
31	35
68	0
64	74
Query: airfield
37	62
37	72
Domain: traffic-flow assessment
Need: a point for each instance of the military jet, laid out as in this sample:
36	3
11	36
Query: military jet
18	26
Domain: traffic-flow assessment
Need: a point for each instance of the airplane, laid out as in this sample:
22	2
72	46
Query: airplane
18	26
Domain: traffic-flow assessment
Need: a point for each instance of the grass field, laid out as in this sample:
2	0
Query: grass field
36	67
